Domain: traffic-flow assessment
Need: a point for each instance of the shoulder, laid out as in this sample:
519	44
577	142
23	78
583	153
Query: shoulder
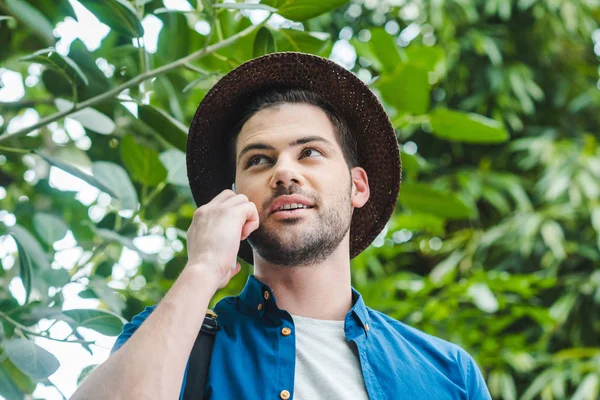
447	358
415	336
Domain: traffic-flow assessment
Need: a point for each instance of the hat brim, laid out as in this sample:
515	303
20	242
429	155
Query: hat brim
209	171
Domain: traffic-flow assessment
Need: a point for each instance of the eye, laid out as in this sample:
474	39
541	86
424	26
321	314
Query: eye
307	152
255	160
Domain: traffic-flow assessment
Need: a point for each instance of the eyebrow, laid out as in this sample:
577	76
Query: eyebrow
298	142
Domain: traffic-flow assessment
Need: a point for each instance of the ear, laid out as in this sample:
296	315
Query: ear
360	187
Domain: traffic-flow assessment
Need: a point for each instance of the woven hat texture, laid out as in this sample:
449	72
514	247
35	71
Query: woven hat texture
209	171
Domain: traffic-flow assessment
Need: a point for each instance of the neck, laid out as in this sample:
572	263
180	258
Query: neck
320	291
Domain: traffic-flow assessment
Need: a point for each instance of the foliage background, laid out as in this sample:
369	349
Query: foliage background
495	242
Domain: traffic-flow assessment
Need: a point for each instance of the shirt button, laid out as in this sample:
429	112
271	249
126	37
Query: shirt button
284	394
367	327
259	307
286	331
267	295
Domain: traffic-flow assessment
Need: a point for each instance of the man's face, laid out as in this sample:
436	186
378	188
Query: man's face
287	157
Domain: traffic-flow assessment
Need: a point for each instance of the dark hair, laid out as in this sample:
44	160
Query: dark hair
278	96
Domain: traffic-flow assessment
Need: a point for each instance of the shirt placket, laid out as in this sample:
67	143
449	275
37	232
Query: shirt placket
359	334
285	341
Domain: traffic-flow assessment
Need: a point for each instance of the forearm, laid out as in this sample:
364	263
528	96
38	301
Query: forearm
152	362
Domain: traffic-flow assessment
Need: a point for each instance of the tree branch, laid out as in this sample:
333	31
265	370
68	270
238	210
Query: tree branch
132	82
17	105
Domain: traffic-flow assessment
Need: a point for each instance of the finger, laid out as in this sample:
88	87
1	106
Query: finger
248	228
238	268
235	200
224	195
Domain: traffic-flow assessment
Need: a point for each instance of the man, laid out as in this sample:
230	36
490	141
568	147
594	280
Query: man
316	169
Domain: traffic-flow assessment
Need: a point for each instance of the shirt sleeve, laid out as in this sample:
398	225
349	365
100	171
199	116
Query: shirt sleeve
476	387
130	328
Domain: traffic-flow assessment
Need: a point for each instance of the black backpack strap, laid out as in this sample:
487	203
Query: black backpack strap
199	362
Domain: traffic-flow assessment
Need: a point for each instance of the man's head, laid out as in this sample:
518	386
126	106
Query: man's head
291	146
377	146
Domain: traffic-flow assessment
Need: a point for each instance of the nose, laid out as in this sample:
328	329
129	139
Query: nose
285	174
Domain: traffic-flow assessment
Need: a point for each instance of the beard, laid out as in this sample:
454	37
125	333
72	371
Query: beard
313	243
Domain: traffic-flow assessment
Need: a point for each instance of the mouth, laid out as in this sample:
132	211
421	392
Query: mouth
290	203
291	212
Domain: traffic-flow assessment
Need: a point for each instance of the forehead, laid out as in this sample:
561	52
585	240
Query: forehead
280	124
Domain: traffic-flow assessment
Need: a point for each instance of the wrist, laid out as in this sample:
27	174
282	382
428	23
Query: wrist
203	275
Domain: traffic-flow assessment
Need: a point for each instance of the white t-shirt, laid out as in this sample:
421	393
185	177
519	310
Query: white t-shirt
327	365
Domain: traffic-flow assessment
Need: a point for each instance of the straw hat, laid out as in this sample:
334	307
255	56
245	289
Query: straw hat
209	171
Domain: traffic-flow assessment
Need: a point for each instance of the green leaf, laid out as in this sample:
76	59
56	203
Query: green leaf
204	82
174	268
244	6
142	162
264	43
595	220
406	89
170	129
446	267
85	373
422	197
73	170
114	176
419	222
56	277
25	269
553	236
307	42
175	162
589	388
88	117
118	14
301	10
483	297
8	388
101	321
384	47
23	382
49	227
30	245
32	18
57	62
562	308
125	241
31	358
174	38
466	127
104	269
107	295
430	58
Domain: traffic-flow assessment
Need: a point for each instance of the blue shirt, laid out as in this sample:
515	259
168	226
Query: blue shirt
253	359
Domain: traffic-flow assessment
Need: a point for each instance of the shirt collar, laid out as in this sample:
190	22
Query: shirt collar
259	297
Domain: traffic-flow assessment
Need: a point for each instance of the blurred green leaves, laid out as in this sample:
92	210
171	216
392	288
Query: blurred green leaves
118	14
300	10
495	240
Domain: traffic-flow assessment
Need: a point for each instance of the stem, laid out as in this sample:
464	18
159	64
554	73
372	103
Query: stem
13	150
81	264
17	105
132	82
30	332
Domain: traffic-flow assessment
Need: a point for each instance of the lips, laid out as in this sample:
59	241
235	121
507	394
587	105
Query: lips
299	202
